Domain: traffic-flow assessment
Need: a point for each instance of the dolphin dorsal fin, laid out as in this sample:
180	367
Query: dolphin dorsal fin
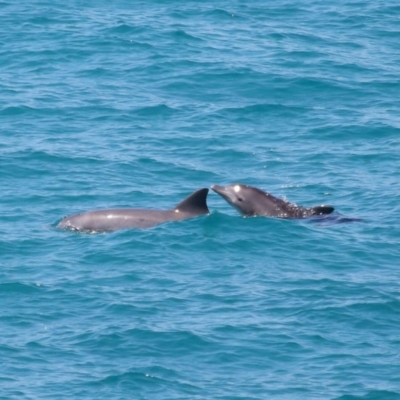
322	210
195	203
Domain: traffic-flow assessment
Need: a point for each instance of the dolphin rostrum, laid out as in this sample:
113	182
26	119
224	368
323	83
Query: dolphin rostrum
125	218
251	201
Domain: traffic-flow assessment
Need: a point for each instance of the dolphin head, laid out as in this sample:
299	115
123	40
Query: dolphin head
241	197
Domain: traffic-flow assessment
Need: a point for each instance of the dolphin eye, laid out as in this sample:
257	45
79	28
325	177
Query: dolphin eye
240	199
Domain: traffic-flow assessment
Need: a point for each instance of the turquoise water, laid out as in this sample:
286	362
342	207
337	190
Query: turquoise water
137	104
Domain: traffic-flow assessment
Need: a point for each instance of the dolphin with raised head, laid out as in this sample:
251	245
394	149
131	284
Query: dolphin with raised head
126	218
251	201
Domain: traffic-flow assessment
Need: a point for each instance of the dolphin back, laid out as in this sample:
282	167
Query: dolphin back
322	210
125	218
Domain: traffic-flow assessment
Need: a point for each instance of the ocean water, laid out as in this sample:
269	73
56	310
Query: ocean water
137	104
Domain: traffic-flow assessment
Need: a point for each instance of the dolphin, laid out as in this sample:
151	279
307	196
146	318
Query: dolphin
125	218
251	201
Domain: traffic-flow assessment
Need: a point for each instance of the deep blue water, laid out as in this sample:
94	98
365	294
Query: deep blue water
137	104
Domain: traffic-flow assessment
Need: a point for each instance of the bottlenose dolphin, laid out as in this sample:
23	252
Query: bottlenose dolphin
251	201
125	218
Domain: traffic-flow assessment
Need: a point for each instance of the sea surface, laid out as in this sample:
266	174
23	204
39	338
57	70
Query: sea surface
138	104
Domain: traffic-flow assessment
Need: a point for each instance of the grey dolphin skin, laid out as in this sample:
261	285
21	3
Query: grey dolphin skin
251	201
126	218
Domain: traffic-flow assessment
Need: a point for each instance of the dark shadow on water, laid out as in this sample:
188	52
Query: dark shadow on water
333	219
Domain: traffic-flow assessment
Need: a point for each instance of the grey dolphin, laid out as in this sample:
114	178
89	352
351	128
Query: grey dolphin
125	218
251	201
